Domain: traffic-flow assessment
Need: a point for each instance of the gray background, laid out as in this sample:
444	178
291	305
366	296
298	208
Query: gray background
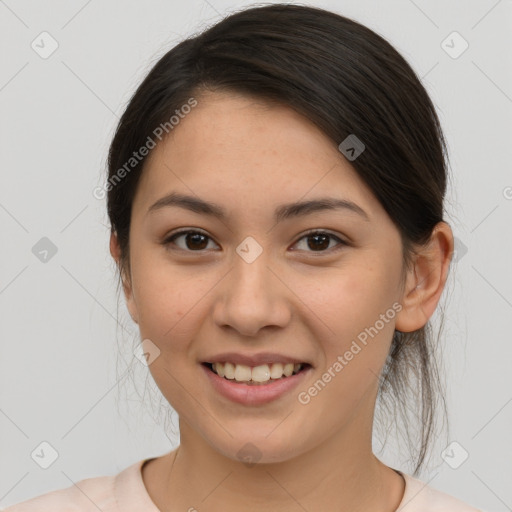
64	379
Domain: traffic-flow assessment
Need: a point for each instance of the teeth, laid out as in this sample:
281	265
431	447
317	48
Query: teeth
219	369
276	371
242	372
262	373
229	370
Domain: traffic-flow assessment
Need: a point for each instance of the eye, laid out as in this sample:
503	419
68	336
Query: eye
197	241
319	241
194	241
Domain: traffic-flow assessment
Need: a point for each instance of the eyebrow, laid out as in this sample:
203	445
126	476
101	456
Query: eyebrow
282	212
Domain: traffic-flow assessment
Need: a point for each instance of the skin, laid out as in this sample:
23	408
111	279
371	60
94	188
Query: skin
250	157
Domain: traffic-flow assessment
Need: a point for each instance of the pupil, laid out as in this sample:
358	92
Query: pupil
317	237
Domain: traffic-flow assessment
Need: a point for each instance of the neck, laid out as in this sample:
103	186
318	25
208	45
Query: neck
340	474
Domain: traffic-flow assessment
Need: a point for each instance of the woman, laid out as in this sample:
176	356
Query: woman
275	193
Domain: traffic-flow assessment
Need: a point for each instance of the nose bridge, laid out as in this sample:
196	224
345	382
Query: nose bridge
252	296
251	279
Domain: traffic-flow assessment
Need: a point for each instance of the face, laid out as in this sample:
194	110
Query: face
251	283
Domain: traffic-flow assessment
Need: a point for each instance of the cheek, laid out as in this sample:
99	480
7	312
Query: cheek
355	303
357	307
164	297
169	303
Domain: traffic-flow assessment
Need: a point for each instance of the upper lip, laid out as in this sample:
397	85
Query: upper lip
253	359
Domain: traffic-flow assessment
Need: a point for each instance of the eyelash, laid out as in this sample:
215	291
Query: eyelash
173	236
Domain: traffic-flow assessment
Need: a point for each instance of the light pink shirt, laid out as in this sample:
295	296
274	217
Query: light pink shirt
126	492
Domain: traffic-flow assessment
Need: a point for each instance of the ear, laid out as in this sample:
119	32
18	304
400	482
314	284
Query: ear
115	251
425	281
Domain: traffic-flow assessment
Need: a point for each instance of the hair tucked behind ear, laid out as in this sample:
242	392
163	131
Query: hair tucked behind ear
347	80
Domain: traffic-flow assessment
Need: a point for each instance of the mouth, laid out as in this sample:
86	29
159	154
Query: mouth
261	375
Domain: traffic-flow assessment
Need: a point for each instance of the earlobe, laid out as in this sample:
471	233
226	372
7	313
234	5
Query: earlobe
426	280
115	251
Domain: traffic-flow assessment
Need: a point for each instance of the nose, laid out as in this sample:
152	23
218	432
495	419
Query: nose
252	297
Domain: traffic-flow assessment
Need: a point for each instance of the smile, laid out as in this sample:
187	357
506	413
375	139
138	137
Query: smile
253	393
261	374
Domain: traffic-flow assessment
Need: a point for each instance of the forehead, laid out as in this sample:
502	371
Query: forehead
241	150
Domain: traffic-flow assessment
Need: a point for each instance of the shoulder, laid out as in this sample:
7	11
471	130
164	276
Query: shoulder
420	497
84	496
87	495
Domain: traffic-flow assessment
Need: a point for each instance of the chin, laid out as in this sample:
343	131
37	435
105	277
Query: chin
251	450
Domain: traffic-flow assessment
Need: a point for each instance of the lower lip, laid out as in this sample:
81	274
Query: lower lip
249	394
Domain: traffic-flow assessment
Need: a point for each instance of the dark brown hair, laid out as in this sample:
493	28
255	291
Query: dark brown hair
347	80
